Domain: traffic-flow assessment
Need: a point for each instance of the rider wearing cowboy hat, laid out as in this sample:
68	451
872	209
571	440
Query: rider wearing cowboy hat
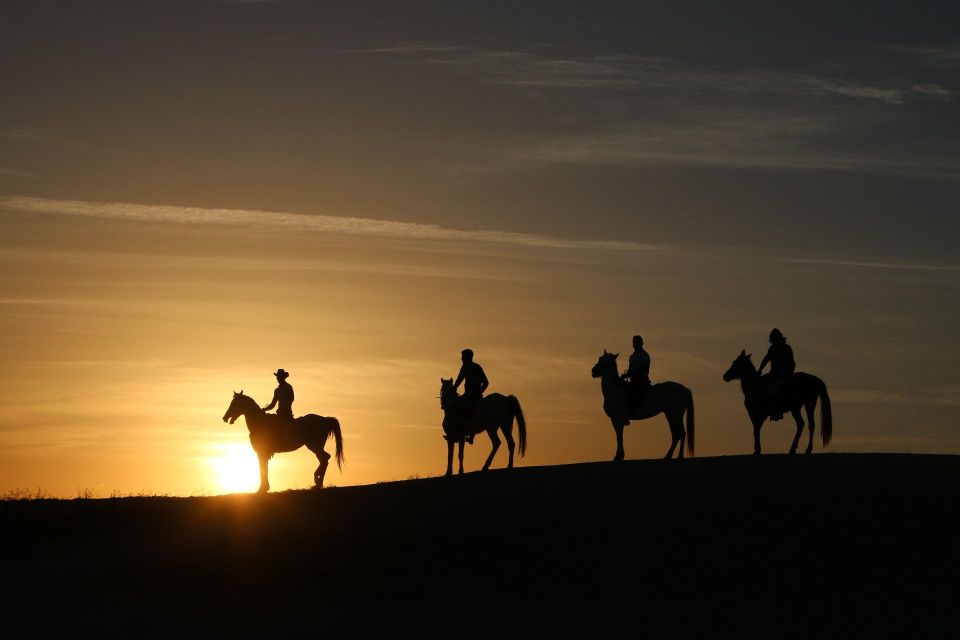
282	396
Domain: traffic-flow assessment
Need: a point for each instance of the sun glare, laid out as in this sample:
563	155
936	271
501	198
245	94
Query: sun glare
235	468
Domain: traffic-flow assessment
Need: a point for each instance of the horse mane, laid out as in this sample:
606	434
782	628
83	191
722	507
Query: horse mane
250	401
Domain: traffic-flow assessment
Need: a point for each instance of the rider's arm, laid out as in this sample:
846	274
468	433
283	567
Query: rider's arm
484	383
274	403
764	362
459	378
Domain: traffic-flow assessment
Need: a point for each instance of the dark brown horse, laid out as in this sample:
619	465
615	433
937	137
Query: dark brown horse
672	399
801	392
270	434
495	411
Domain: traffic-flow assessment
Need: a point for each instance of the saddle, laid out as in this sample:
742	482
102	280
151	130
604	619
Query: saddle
773	393
637	393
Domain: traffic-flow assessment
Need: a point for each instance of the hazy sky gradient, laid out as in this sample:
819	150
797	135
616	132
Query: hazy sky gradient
194	193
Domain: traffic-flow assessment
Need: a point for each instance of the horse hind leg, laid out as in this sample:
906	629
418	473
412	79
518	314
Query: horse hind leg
810	407
495	441
507	429
321	469
799	420
676	429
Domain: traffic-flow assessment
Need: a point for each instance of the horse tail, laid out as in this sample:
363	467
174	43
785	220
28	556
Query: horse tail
521	424
826	415
338	439
690	423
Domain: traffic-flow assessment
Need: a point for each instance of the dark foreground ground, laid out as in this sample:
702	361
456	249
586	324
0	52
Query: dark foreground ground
833	545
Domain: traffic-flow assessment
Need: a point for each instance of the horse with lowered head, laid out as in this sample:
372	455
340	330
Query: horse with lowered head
493	412
801	392
270	434
672	399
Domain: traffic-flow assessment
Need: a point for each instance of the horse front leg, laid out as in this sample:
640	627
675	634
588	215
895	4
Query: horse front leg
618	429
460	456
450	456
264	481
757	421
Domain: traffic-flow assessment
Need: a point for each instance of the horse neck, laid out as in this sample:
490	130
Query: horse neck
609	382
748	383
448	401
251	412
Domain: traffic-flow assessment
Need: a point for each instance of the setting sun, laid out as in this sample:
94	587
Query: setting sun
235	468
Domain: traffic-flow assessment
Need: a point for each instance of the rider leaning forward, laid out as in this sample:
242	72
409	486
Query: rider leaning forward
782	365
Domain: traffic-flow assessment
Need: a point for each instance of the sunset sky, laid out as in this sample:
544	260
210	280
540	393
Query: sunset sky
194	193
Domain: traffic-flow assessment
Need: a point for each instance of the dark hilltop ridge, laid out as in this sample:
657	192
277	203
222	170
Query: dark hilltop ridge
838	545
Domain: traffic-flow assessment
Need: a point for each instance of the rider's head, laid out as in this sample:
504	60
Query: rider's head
467	355
776	336
637	342
281	375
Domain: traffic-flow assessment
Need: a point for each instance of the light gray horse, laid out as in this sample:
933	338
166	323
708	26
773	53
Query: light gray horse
669	398
495	411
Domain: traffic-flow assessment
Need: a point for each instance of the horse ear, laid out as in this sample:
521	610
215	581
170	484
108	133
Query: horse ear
616	355
749	355
241	391
604	352
743	352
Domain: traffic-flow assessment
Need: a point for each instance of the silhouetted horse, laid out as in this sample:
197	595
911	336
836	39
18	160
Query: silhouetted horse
270	434
494	411
802	391
669	398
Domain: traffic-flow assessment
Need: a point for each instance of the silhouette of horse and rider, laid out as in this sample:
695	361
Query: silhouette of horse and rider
281	432
471	413
781	390
631	396
627	396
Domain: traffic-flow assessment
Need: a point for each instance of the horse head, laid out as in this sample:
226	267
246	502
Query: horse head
606	365
236	408
741	369
447	393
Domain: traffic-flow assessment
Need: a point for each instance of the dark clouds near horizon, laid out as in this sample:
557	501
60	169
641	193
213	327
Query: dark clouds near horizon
829	128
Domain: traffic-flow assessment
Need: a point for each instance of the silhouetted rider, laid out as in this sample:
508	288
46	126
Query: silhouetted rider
638	372
282	396
476	383
782	366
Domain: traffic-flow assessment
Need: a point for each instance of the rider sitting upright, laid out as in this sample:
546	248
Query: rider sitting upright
638	372
282	396
782	366
476	383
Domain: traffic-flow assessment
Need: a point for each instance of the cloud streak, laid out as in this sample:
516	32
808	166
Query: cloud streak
632	110
299	222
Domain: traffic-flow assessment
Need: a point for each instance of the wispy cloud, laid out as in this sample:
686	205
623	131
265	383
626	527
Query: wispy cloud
622	109
301	222
25	134
556	70
901	266
13	173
